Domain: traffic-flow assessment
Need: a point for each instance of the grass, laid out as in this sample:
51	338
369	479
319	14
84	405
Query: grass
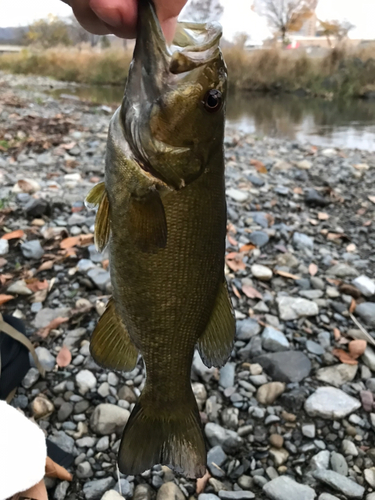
345	72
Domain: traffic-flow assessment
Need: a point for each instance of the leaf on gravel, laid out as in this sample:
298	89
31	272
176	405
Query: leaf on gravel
372	199
323	216
357	348
247	248
70	242
234	261
44	332
46	266
36	286
344	357
259	166
64	357
18	233
202	482
336	334
313	269
251	292
5	298
285	274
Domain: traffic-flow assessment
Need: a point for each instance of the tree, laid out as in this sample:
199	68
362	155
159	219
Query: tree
48	32
285	15
336	29
203	10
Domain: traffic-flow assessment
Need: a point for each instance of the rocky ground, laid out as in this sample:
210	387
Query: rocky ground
291	416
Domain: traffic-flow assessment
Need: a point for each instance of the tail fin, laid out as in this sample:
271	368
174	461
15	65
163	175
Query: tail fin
174	439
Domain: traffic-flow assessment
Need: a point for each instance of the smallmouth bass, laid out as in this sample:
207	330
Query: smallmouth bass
162	210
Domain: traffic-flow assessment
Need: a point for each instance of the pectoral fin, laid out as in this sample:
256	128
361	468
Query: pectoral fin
147	222
98	197
111	345
216	343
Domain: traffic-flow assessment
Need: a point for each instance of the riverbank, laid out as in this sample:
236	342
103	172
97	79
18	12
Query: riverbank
292	413
342	73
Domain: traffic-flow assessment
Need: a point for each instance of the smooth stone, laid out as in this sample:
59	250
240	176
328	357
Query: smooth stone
370	476
291	308
218	436
4	247
259	238
61	439
340	483
349	448
338	463
127	488
304	165
368	358
247	328
46	359
236	495
308	430
303	242
100	277
327	496
320	461
279	456
170	491
343	271
365	285
237	195
285	488
60	491
32	250
42	407
207	496
366	311
268	393
19	288
330	403
84	470
30	378
311	294
274	340
215	459
86	381
94	490
112	495
108	418
287	366
46	315
337	375
227	374
261	273
314	348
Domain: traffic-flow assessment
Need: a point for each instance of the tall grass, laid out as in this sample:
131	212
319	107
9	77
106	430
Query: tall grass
342	71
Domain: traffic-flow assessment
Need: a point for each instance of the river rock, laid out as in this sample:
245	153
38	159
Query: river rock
287	366
274	340
237	195
227	373
170	491
46	359
366	311
343	271
303	242
86	381
259	238
337	375
20	288
46	315
268	393
294	307
365	285
100	277
340	483
108	418
338	464
4	247
330	403
61	439
261	273
285	488
32	250
247	328
327	496
215	459
236	495
94	490
370	476
112	495
368	357
218	436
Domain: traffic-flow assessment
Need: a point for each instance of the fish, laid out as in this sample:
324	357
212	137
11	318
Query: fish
162	212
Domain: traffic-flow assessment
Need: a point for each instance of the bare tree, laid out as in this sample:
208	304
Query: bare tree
203	10
285	15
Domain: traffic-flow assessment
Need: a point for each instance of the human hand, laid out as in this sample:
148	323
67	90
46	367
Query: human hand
119	17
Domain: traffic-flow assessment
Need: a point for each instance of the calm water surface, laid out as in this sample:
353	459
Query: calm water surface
343	124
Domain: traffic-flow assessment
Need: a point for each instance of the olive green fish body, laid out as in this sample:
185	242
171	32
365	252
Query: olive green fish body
163	205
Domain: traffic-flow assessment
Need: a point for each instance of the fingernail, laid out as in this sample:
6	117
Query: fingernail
110	16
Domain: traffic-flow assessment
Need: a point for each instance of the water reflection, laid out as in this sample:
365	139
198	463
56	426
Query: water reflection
326	123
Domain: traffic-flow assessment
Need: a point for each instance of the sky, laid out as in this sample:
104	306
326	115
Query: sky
237	17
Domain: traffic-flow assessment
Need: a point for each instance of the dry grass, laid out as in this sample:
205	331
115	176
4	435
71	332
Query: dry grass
343	71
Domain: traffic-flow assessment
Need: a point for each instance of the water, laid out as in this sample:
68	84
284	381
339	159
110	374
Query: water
342	124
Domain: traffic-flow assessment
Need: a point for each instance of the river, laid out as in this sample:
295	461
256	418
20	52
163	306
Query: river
342	124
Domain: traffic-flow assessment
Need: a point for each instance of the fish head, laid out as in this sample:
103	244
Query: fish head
173	110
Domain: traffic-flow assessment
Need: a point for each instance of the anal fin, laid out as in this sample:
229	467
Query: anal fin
147	222
98	197
111	346
216	343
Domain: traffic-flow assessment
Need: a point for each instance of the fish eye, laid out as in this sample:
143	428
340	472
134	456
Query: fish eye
213	100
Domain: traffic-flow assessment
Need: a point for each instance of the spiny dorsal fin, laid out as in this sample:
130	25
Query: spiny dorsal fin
147	222
98	196
216	343
111	345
